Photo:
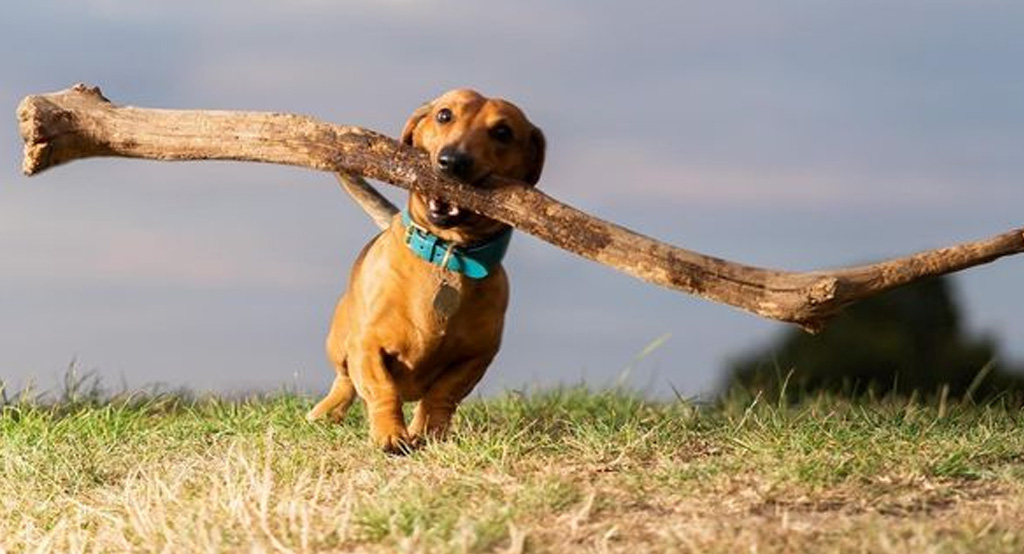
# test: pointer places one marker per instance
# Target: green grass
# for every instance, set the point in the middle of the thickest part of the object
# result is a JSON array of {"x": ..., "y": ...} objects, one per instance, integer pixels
[{"x": 552, "y": 471}]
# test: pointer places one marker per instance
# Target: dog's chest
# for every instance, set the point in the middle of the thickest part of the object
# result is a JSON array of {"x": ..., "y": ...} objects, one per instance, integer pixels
[
  {"x": 452, "y": 317},
  {"x": 426, "y": 319},
  {"x": 437, "y": 343},
  {"x": 454, "y": 313}
]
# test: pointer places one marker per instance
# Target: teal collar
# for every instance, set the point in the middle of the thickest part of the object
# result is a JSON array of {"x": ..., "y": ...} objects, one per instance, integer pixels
[{"x": 474, "y": 262}]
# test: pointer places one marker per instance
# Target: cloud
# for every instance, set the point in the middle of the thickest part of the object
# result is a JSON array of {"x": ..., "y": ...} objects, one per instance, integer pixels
[
  {"x": 625, "y": 172},
  {"x": 85, "y": 249}
]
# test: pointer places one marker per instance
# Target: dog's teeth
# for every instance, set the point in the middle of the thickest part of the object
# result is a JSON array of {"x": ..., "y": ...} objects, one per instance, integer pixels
[
  {"x": 433, "y": 205},
  {"x": 453, "y": 210}
]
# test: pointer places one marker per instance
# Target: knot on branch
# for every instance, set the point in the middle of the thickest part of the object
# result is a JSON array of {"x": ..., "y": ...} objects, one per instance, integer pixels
[
  {"x": 86, "y": 90},
  {"x": 823, "y": 291}
]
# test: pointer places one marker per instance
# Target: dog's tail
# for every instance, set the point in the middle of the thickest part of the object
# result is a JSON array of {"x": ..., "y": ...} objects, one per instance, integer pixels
[{"x": 380, "y": 209}]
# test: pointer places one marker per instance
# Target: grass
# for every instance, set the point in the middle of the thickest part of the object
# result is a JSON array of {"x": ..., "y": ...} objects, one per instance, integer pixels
[{"x": 553, "y": 471}]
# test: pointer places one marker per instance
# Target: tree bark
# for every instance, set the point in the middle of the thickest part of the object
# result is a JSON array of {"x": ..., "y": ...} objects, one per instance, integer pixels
[{"x": 81, "y": 123}]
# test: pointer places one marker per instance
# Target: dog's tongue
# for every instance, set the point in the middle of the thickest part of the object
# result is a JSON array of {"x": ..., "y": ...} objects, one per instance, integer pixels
[{"x": 440, "y": 207}]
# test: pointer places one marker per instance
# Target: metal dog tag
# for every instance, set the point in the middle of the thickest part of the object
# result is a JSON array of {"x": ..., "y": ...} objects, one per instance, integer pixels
[{"x": 446, "y": 300}]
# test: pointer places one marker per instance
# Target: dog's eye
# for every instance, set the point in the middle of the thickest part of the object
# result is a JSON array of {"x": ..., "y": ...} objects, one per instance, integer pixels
[
  {"x": 444, "y": 115},
  {"x": 502, "y": 133}
]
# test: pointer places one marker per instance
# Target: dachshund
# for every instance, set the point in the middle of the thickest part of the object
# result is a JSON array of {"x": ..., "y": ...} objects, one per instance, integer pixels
[{"x": 422, "y": 316}]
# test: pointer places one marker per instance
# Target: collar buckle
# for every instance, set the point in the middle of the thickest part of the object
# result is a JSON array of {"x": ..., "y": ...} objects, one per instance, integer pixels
[{"x": 413, "y": 227}]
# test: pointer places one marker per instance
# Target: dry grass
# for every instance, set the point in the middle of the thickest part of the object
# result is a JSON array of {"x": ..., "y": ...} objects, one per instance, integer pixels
[{"x": 558, "y": 471}]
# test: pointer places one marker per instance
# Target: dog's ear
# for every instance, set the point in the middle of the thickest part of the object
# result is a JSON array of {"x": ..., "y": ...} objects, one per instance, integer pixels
[
  {"x": 535, "y": 163},
  {"x": 414, "y": 121}
]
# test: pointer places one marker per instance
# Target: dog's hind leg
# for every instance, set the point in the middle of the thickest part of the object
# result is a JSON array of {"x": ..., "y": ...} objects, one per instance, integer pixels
[
  {"x": 343, "y": 392},
  {"x": 335, "y": 405}
]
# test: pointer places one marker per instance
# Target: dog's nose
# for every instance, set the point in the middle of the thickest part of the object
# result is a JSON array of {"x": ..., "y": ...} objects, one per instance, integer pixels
[{"x": 455, "y": 162}]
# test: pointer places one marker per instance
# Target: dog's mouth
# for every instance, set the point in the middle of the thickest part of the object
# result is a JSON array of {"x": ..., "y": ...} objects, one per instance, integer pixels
[{"x": 444, "y": 214}]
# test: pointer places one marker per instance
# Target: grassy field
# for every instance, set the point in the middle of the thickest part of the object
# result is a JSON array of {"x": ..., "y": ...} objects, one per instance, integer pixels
[{"x": 553, "y": 471}]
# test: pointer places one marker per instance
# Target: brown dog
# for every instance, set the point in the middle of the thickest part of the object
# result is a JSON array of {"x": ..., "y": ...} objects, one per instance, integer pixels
[{"x": 425, "y": 305}]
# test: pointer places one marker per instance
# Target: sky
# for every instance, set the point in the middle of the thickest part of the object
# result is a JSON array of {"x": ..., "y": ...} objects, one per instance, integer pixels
[{"x": 794, "y": 134}]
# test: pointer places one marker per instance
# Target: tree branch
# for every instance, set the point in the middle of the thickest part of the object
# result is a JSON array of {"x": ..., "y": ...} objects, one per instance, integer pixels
[
  {"x": 80, "y": 123},
  {"x": 380, "y": 209}
]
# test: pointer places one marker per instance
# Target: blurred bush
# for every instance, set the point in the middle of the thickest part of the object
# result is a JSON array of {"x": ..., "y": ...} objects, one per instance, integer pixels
[{"x": 909, "y": 339}]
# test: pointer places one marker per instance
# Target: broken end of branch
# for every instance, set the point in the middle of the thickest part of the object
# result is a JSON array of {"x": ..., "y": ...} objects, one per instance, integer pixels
[
  {"x": 42, "y": 121},
  {"x": 36, "y": 156},
  {"x": 37, "y": 148}
]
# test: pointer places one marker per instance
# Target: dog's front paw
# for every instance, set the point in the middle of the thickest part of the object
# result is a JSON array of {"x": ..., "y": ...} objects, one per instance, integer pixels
[{"x": 393, "y": 439}]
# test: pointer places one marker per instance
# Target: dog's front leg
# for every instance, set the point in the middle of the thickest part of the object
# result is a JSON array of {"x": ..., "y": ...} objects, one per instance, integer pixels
[
  {"x": 434, "y": 412},
  {"x": 377, "y": 387}
]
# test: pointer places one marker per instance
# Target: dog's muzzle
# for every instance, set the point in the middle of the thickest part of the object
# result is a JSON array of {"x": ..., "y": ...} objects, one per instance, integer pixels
[
  {"x": 458, "y": 164},
  {"x": 443, "y": 214}
]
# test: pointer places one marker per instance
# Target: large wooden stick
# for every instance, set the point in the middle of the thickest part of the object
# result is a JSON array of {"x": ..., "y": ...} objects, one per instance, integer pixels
[{"x": 80, "y": 123}]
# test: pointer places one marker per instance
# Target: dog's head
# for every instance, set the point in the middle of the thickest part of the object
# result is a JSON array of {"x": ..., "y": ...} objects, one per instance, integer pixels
[{"x": 470, "y": 137}]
